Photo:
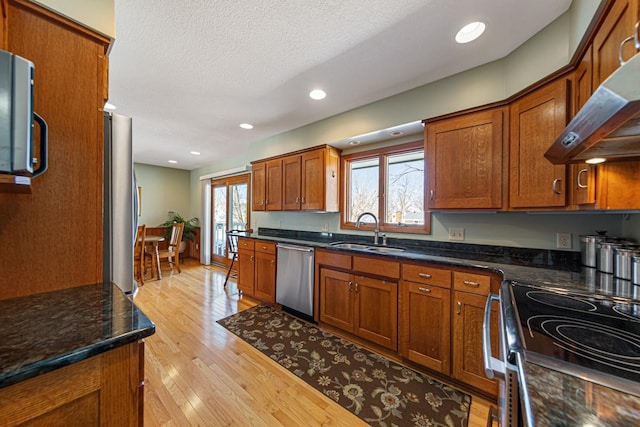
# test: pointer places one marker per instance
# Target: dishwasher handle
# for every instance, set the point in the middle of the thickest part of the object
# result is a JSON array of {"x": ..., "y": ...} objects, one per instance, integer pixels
[
  {"x": 492, "y": 367},
  {"x": 295, "y": 248}
]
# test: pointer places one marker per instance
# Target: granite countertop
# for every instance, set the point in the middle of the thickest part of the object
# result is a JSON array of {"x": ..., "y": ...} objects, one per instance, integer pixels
[
  {"x": 560, "y": 269},
  {"x": 46, "y": 331},
  {"x": 556, "y": 399}
]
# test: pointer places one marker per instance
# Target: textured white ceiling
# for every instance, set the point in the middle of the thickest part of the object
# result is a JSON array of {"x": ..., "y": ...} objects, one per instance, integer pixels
[{"x": 189, "y": 72}]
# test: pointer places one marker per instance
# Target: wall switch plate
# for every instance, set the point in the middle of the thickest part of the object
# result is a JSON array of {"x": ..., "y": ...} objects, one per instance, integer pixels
[
  {"x": 563, "y": 240},
  {"x": 325, "y": 227},
  {"x": 456, "y": 233}
]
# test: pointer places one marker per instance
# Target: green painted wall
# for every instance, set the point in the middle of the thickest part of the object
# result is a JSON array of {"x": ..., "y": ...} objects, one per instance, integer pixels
[
  {"x": 163, "y": 190},
  {"x": 542, "y": 55}
]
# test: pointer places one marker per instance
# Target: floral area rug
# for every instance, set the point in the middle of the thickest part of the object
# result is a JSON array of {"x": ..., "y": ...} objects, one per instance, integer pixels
[{"x": 377, "y": 390}]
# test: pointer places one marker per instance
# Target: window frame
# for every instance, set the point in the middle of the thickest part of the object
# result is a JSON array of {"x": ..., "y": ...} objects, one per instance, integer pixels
[{"x": 382, "y": 154}]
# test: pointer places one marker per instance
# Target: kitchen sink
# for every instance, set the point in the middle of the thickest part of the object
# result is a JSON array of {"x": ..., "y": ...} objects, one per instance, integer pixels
[
  {"x": 348, "y": 245},
  {"x": 385, "y": 249},
  {"x": 365, "y": 247}
]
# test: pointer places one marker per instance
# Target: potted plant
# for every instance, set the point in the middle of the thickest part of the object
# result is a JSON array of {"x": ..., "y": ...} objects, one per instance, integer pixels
[{"x": 188, "y": 232}]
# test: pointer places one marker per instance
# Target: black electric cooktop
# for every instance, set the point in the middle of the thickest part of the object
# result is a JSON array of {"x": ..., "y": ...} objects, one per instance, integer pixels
[{"x": 595, "y": 337}]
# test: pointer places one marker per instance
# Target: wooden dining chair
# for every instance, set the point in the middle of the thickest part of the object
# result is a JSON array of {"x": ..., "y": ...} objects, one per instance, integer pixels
[
  {"x": 138, "y": 255},
  {"x": 172, "y": 253}
]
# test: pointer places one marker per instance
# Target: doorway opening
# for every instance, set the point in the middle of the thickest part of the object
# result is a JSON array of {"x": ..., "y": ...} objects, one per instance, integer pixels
[{"x": 229, "y": 207}]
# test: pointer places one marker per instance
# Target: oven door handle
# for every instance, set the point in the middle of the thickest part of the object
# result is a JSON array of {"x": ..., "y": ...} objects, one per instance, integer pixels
[{"x": 492, "y": 367}]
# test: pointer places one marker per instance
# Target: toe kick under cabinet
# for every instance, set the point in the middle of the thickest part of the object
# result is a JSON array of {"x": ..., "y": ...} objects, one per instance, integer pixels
[{"x": 430, "y": 313}]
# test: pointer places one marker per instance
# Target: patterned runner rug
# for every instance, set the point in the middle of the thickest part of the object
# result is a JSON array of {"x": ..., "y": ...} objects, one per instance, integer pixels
[{"x": 377, "y": 390}]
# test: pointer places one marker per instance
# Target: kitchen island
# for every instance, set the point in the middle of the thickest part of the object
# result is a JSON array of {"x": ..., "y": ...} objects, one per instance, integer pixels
[{"x": 73, "y": 351}]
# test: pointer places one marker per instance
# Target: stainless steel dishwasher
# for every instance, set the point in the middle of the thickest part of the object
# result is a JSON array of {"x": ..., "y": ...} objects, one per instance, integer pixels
[{"x": 294, "y": 278}]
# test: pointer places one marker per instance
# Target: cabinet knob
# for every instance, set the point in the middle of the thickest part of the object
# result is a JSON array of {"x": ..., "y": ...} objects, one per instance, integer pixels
[
  {"x": 425, "y": 275},
  {"x": 424, "y": 289}
]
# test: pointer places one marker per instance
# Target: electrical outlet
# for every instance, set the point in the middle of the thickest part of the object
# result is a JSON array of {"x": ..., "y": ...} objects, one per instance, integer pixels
[
  {"x": 456, "y": 233},
  {"x": 563, "y": 240},
  {"x": 325, "y": 227}
]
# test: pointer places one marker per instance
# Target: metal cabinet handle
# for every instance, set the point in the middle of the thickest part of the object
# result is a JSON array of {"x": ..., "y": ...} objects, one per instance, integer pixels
[
  {"x": 430, "y": 194},
  {"x": 470, "y": 283},
  {"x": 297, "y": 199},
  {"x": 636, "y": 43},
  {"x": 357, "y": 287},
  {"x": 251, "y": 259},
  {"x": 303, "y": 202},
  {"x": 424, "y": 289},
  {"x": 459, "y": 309},
  {"x": 273, "y": 262},
  {"x": 425, "y": 275},
  {"x": 492, "y": 367},
  {"x": 556, "y": 186},
  {"x": 580, "y": 173},
  {"x": 349, "y": 286}
]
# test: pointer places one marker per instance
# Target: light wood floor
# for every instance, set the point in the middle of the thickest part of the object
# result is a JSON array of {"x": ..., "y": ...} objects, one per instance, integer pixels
[{"x": 199, "y": 374}]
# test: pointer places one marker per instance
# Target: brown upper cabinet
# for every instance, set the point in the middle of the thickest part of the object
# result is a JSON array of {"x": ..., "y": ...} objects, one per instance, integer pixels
[
  {"x": 536, "y": 120},
  {"x": 267, "y": 185},
  {"x": 466, "y": 160},
  {"x": 305, "y": 180}
]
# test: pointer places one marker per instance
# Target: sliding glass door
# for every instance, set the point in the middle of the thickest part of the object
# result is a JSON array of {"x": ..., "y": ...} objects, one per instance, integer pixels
[{"x": 229, "y": 200}]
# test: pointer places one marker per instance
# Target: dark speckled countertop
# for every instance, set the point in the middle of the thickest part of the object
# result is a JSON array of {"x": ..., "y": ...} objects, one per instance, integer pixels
[
  {"x": 43, "y": 332},
  {"x": 556, "y": 399}
]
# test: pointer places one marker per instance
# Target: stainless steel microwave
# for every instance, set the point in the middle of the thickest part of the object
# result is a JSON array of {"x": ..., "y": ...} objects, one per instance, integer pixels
[{"x": 17, "y": 150}]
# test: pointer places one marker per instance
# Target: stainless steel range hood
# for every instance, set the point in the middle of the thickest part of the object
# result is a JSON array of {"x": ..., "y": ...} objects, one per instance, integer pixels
[{"x": 608, "y": 125}]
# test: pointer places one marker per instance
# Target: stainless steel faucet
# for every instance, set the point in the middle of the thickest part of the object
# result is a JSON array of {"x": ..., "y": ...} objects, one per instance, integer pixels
[{"x": 375, "y": 231}]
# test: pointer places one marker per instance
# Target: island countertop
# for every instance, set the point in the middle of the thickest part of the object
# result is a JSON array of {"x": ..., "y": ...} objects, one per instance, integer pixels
[{"x": 43, "y": 332}]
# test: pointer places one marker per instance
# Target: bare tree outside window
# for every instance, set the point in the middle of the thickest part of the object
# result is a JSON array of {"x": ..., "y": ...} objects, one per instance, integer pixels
[
  {"x": 405, "y": 188},
  {"x": 364, "y": 187}
]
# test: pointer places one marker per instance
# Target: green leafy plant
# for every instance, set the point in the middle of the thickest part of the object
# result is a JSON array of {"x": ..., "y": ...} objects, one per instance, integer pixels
[{"x": 190, "y": 226}]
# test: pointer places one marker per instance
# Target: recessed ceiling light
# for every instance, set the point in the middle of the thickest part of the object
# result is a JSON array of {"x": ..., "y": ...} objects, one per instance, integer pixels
[
  {"x": 195, "y": 153},
  {"x": 109, "y": 106},
  {"x": 173, "y": 161},
  {"x": 317, "y": 94},
  {"x": 595, "y": 160},
  {"x": 354, "y": 142},
  {"x": 470, "y": 32},
  {"x": 246, "y": 126},
  {"x": 396, "y": 133}
]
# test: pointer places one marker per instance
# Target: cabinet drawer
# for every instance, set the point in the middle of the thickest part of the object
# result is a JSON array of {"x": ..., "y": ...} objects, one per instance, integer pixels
[
  {"x": 246, "y": 243},
  {"x": 474, "y": 283},
  {"x": 377, "y": 266},
  {"x": 427, "y": 275},
  {"x": 265, "y": 247},
  {"x": 333, "y": 259}
]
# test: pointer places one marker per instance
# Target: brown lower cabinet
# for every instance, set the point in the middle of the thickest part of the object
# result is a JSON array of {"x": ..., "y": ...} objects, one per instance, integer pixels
[
  {"x": 363, "y": 305},
  {"x": 106, "y": 389},
  {"x": 432, "y": 315},
  {"x": 257, "y": 269}
]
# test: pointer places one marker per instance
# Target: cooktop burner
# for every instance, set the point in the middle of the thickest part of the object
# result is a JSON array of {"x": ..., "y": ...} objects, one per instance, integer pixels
[{"x": 582, "y": 333}]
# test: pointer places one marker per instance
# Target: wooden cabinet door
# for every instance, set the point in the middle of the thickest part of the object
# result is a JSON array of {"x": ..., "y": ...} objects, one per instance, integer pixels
[
  {"x": 265, "y": 277},
  {"x": 620, "y": 186},
  {"x": 376, "y": 311},
  {"x": 465, "y": 161},
  {"x": 313, "y": 180},
  {"x": 582, "y": 178},
  {"x": 258, "y": 186},
  {"x": 467, "y": 340},
  {"x": 425, "y": 325},
  {"x": 336, "y": 301},
  {"x": 246, "y": 271},
  {"x": 291, "y": 183},
  {"x": 617, "y": 26},
  {"x": 274, "y": 185},
  {"x": 535, "y": 122}
]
